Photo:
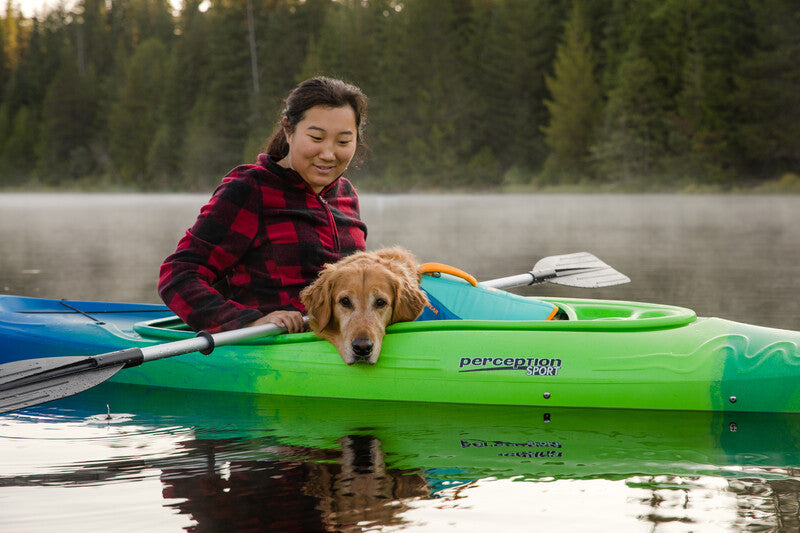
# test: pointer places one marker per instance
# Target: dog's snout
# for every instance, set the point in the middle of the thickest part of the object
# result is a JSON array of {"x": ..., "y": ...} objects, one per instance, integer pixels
[{"x": 362, "y": 347}]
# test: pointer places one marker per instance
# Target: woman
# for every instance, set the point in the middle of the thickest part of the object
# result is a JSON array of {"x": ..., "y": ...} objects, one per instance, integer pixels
[{"x": 270, "y": 227}]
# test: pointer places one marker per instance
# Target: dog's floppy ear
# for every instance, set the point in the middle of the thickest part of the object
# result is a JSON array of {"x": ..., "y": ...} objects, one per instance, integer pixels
[
  {"x": 317, "y": 299},
  {"x": 409, "y": 302}
]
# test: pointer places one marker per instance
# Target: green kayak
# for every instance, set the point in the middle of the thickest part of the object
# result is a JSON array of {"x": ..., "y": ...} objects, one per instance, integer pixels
[{"x": 604, "y": 354}]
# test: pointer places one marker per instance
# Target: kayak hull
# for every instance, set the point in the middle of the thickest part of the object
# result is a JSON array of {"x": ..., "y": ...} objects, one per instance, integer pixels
[{"x": 608, "y": 354}]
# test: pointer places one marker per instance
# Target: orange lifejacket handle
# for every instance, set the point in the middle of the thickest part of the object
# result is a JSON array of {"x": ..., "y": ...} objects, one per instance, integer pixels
[{"x": 429, "y": 268}]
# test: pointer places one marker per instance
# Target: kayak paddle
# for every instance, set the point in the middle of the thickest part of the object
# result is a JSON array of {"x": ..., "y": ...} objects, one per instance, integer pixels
[
  {"x": 580, "y": 269},
  {"x": 34, "y": 381}
]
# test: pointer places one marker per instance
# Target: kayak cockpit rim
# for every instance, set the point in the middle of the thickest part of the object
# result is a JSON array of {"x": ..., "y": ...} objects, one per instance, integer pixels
[{"x": 582, "y": 315}]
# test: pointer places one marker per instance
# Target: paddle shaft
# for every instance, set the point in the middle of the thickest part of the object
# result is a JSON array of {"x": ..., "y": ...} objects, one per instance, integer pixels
[
  {"x": 518, "y": 280},
  {"x": 206, "y": 342}
]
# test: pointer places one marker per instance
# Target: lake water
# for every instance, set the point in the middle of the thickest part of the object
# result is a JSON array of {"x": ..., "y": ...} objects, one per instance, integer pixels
[{"x": 127, "y": 459}]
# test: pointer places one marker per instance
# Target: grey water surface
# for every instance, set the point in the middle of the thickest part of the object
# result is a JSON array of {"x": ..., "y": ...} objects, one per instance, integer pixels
[{"x": 722, "y": 255}]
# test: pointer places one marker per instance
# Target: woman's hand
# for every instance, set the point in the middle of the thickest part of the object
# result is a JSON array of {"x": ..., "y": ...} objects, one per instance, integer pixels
[{"x": 291, "y": 320}]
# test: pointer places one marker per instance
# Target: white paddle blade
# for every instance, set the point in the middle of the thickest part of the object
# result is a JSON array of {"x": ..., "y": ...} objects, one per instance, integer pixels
[{"x": 580, "y": 269}]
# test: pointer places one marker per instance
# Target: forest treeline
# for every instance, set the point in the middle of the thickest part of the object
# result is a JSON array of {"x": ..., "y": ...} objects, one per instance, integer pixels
[{"x": 636, "y": 94}]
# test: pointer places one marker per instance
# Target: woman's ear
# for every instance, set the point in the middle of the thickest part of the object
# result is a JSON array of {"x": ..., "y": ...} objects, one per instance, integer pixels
[{"x": 287, "y": 131}]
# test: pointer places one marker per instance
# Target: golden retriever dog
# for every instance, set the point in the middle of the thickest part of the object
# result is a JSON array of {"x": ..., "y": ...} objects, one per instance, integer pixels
[{"x": 354, "y": 299}]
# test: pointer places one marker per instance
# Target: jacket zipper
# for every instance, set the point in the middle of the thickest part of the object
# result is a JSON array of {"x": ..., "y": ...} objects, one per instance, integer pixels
[{"x": 331, "y": 222}]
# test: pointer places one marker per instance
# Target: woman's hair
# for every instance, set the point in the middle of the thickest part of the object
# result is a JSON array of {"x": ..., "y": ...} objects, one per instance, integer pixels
[{"x": 323, "y": 91}]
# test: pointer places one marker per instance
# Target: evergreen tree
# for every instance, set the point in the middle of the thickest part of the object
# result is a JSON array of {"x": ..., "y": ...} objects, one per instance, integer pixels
[
  {"x": 348, "y": 43},
  {"x": 68, "y": 124},
  {"x": 94, "y": 44},
  {"x": 41, "y": 61},
  {"x": 12, "y": 31},
  {"x": 767, "y": 96},
  {"x": 462, "y": 92},
  {"x": 517, "y": 53},
  {"x": 632, "y": 134},
  {"x": 647, "y": 46},
  {"x": 5, "y": 62},
  {"x": 217, "y": 128},
  {"x": 719, "y": 38},
  {"x": 23, "y": 94},
  {"x": 134, "y": 115},
  {"x": 19, "y": 150},
  {"x": 573, "y": 104},
  {"x": 286, "y": 30},
  {"x": 420, "y": 128},
  {"x": 133, "y": 22},
  {"x": 186, "y": 77}
]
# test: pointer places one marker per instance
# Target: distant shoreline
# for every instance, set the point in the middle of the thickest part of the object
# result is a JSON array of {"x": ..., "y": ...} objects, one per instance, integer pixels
[{"x": 787, "y": 184}]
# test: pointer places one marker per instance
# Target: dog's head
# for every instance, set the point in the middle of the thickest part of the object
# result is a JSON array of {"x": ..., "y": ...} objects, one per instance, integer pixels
[{"x": 353, "y": 301}]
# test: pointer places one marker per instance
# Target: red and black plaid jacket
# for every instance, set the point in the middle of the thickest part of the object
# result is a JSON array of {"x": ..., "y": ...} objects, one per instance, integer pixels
[{"x": 262, "y": 237}]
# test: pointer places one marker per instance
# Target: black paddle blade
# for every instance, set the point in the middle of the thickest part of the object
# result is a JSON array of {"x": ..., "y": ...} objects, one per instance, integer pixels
[{"x": 34, "y": 381}]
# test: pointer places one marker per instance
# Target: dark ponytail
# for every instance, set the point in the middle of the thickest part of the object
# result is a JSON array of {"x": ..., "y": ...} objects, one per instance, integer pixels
[{"x": 323, "y": 91}]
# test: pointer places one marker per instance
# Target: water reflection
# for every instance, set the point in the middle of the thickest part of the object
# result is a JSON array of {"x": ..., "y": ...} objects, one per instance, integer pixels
[
  {"x": 308, "y": 490},
  {"x": 256, "y": 463}
]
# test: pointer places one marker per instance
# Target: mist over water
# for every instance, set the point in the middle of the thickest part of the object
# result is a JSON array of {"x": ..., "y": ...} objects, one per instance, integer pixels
[{"x": 721, "y": 255}]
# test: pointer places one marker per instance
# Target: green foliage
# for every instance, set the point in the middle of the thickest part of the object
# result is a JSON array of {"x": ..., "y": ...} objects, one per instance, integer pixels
[
  {"x": 574, "y": 103},
  {"x": 634, "y": 128},
  {"x": 463, "y": 93},
  {"x": 767, "y": 92},
  {"x": 134, "y": 117},
  {"x": 68, "y": 124},
  {"x": 515, "y": 54},
  {"x": 19, "y": 149}
]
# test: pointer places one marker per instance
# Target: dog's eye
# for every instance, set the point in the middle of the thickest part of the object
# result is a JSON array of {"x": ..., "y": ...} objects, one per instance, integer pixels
[
  {"x": 345, "y": 302},
  {"x": 380, "y": 303}
]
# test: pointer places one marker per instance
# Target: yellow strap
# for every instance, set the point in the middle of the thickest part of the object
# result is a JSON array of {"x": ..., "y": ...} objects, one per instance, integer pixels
[{"x": 428, "y": 268}]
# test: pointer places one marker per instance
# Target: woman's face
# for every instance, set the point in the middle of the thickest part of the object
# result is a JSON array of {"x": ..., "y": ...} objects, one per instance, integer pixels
[{"x": 322, "y": 145}]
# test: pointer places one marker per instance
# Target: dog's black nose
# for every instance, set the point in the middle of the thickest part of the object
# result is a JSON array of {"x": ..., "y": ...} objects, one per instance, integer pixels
[{"x": 362, "y": 347}]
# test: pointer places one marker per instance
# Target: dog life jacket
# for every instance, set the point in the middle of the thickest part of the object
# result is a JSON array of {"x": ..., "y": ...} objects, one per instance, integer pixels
[{"x": 453, "y": 298}]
